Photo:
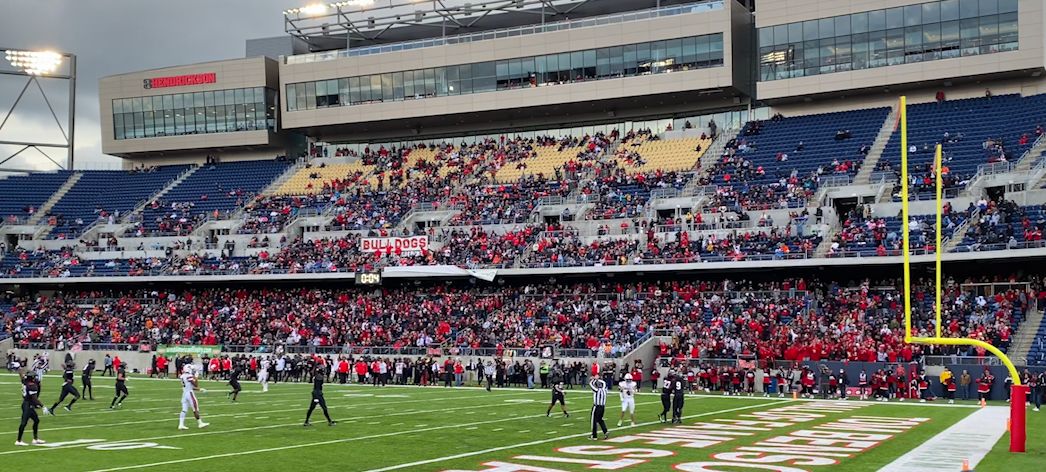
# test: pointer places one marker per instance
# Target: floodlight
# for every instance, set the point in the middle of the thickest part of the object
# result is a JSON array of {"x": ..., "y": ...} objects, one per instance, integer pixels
[{"x": 34, "y": 62}]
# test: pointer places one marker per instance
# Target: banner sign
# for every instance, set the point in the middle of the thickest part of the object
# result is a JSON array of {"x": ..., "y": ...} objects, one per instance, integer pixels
[
  {"x": 410, "y": 246},
  {"x": 164, "y": 349},
  {"x": 180, "y": 80}
]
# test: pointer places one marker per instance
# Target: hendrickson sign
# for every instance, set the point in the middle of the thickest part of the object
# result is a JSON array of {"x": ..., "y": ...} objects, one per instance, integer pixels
[{"x": 180, "y": 80}]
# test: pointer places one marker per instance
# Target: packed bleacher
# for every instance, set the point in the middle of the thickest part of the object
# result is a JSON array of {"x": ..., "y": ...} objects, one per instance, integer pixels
[{"x": 788, "y": 319}]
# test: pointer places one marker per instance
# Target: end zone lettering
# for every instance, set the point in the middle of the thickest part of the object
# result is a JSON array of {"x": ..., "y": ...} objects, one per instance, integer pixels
[{"x": 181, "y": 80}]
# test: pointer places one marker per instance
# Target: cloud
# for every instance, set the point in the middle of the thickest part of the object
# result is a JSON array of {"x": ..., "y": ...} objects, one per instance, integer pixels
[{"x": 117, "y": 36}]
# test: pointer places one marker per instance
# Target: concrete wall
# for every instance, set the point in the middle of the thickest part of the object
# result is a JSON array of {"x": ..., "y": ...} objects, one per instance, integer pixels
[{"x": 231, "y": 74}]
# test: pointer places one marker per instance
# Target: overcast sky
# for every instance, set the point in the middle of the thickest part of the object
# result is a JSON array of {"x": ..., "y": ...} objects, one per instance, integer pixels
[{"x": 112, "y": 37}]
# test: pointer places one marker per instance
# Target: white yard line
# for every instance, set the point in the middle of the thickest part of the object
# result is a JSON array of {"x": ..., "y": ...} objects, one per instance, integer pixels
[
  {"x": 174, "y": 408},
  {"x": 17, "y": 451},
  {"x": 970, "y": 438},
  {"x": 560, "y": 438},
  {"x": 321, "y": 443}
]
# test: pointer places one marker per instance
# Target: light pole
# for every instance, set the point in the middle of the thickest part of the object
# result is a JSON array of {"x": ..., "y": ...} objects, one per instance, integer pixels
[{"x": 36, "y": 65}]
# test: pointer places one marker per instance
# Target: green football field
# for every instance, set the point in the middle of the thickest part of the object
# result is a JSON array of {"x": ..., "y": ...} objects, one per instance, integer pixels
[{"x": 410, "y": 428}]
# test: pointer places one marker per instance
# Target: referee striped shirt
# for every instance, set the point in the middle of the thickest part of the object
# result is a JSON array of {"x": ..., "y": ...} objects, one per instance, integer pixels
[{"x": 599, "y": 392}]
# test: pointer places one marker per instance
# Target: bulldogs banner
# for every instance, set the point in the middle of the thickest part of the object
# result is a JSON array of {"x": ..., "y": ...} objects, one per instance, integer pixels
[{"x": 410, "y": 246}]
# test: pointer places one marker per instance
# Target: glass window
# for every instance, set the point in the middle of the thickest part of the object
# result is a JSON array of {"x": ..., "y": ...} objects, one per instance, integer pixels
[
  {"x": 970, "y": 36},
  {"x": 617, "y": 60},
  {"x": 118, "y": 131},
  {"x": 989, "y": 33},
  {"x": 1007, "y": 6},
  {"x": 949, "y": 10},
  {"x": 1008, "y": 31},
  {"x": 343, "y": 92},
  {"x": 895, "y": 18},
  {"x": 859, "y": 22},
  {"x": 321, "y": 94},
  {"x": 397, "y": 86},
  {"x": 465, "y": 78},
  {"x": 795, "y": 33},
  {"x": 386, "y": 86},
  {"x": 590, "y": 62},
  {"x": 842, "y": 25},
  {"x": 766, "y": 37},
  {"x": 950, "y": 39},
  {"x": 968, "y": 8},
  {"x": 877, "y": 20},
  {"x": 716, "y": 43},
  {"x": 913, "y": 15},
  {"x": 501, "y": 68},
  {"x": 484, "y": 78},
  {"x": 931, "y": 13},
  {"x": 603, "y": 62},
  {"x": 354, "y": 90},
  {"x": 826, "y": 28},
  {"x": 781, "y": 34},
  {"x": 310, "y": 96},
  {"x": 988, "y": 7},
  {"x": 689, "y": 55},
  {"x": 810, "y": 30},
  {"x": 430, "y": 82},
  {"x": 292, "y": 98},
  {"x": 452, "y": 80}
]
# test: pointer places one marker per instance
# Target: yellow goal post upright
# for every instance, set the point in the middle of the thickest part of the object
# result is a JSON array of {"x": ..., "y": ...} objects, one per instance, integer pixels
[{"x": 1018, "y": 392}]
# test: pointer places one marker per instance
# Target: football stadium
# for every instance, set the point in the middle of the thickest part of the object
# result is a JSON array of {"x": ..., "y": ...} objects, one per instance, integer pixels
[{"x": 535, "y": 236}]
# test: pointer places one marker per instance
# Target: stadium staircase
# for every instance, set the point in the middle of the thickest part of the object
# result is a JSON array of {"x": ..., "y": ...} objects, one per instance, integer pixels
[
  {"x": 1025, "y": 339},
  {"x": 881, "y": 140},
  {"x": 55, "y": 198},
  {"x": 716, "y": 148},
  {"x": 170, "y": 185}
]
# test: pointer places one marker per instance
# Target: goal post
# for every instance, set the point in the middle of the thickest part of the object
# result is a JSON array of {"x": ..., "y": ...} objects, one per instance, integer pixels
[{"x": 1018, "y": 393}]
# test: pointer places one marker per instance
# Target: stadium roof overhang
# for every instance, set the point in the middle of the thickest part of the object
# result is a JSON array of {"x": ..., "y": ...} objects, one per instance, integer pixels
[
  {"x": 564, "y": 115},
  {"x": 328, "y": 26}
]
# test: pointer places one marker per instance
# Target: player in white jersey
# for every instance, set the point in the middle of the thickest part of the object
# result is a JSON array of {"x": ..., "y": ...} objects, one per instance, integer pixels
[
  {"x": 263, "y": 374},
  {"x": 189, "y": 387},
  {"x": 41, "y": 365},
  {"x": 627, "y": 389}
]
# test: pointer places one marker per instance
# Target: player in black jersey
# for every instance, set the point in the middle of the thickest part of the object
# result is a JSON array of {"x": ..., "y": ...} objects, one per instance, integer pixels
[
  {"x": 121, "y": 389},
  {"x": 67, "y": 389},
  {"x": 678, "y": 390},
  {"x": 30, "y": 402},
  {"x": 558, "y": 396},
  {"x": 317, "y": 398},
  {"x": 234, "y": 381},
  {"x": 85, "y": 380},
  {"x": 666, "y": 396}
]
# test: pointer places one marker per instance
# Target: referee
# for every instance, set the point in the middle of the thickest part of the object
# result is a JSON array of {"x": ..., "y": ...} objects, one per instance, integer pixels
[{"x": 599, "y": 404}]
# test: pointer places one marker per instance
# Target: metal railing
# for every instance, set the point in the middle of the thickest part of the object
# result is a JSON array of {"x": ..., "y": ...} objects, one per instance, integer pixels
[
  {"x": 883, "y": 176},
  {"x": 836, "y": 180},
  {"x": 706, "y": 6},
  {"x": 977, "y": 247}
]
